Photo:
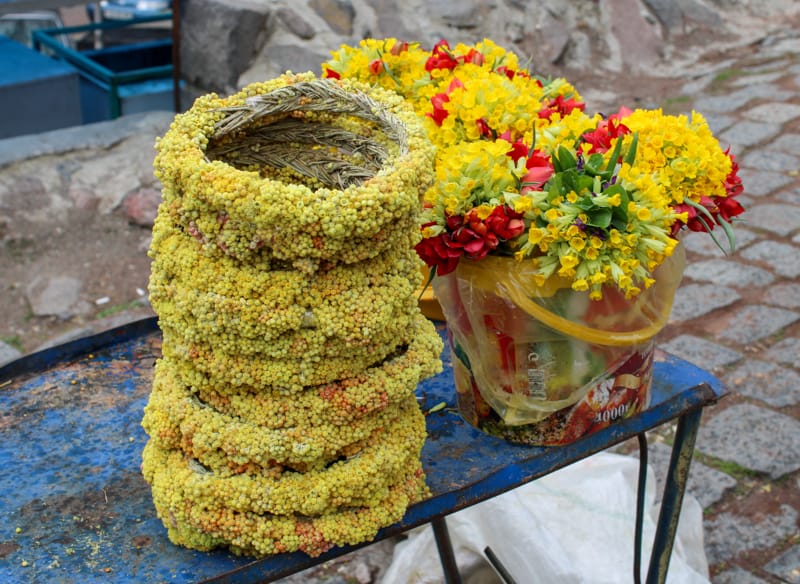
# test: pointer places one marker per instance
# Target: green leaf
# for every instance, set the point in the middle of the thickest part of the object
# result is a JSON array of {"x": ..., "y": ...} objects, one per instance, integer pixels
[
  {"x": 594, "y": 164},
  {"x": 619, "y": 223},
  {"x": 699, "y": 207},
  {"x": 612, "y": 162},
  {"x": 585, "y": 183},
  {"x": 566, "y": 159},
  {"x": 569, "y": 181},
  {"x": 599, "y": 217},
  {"x": 707, "y": 227},
  {"x": 729, "y": 232},
  {"x": 431, "y": 275},
  {"x": 533, "y": 142},
  {"x": 630, "y": 155}
]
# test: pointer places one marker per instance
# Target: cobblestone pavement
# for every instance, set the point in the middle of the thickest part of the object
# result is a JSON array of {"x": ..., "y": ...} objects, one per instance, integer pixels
[{"x": 739, "y": 316}]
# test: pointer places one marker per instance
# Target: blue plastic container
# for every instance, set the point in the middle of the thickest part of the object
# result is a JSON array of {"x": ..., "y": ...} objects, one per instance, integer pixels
[
  {"x": 42, "y": 93},
  {"x": 117, "y": 80}
]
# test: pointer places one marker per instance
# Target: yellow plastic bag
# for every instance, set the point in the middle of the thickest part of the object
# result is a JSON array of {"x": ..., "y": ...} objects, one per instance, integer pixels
[{"x": 545, "y": 364}]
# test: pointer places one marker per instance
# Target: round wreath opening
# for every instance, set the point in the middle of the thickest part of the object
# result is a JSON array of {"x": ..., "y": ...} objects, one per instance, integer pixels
[{"x": 297, "y": 169}]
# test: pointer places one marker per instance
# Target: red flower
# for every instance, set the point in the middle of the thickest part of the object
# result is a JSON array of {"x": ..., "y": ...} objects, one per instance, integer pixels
[
  {"x": 728, "y": 208},
  {"x": 436, "y": 253},
  {"x": 540, "y": 169},
  {"x": 483, "y": 128},
  {"x": 376, "y": 66},
  {"x": 505, "y": 222},
  {"x": 330, "y": 73},
  {"x": 398, "y": 48},
  {"x": 473, "y": 56},
  {"x": 438, "y": 101},
  {"x": 469, "y": 236},
  {"x": 441, "y": 57},
  {"x": 475, "y": 243},
  {"x": 518, "y": 148},
  {"x": 607, "y": 130},
  {"x": 694, "y": 221},
  {"x": 720, "y": 208},
  {"x": 439, "y": 113},
  {"x": 733, "y": 184},
  {"x": 503, "y": 70},
  {"x": 561, "y": 106}
]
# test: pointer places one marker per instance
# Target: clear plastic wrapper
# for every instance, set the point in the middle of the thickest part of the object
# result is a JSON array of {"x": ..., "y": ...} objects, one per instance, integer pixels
[{"x": 546, "y": 364}]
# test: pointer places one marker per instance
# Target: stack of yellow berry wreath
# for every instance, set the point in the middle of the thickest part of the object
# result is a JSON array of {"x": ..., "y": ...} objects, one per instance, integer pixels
[{"x": 283, "y": 415}]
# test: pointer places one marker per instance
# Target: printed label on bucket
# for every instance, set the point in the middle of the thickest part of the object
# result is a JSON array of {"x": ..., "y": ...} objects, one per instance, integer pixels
[{"x": 623, "y": 392}]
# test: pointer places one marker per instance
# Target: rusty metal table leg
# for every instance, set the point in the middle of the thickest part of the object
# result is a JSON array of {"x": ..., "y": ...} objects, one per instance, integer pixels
[
  {"x": 640, "y": 493},
  {"x": 674, "y": 489},
  {"x": 445, "y": 547}
]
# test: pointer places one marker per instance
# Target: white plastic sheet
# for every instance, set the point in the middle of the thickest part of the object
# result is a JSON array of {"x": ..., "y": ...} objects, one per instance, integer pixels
[{"x": 573, "y": 526}]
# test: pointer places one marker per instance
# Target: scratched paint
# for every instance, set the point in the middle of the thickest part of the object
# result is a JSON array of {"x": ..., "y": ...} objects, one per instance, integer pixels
[{"x": 75, "y": 508}]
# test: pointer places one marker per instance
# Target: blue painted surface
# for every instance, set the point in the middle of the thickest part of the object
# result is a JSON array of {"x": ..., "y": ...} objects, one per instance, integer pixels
[
  {"x": 41, "y": 92},
  {"x": 71, "y": 443},
  {"x": 20, "y": 64}
]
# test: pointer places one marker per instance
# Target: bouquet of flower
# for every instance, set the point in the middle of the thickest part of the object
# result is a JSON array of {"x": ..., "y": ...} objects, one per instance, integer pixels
[
  {"x": 523, "y": 171},
  {"x": 603, "y": 211},
  {"x": 548, "y": 229}
]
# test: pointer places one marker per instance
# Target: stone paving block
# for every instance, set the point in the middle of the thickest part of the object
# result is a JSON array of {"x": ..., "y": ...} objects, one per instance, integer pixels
[
  {"x": 786, "y": 295},
  {"x": 693, "y": 300},
  {"x": 783, "y": 258},
  {"x": 700, "y": 243},
  {"x": 786, "y": 566},
  {"x": 749, "y": 133},
  {"x": 779, "y": 219},
  {"x": 755, "y": 322},
  {"x": 706, "y": 484},
  {"x": 732, "y": 101},
  {"x": 770, "y": 159},
  {"x": 8, "y": 353},
  {"x": 737, "y": 576},
  {"x": 774, "y": 112},
  {"x": 789, "y": 143},
  {"x": 769, "y": 77},
  {"x": 786, "y": 351},
  {"x": 701, "y": 352},
  {"x": 728, "y": 535},
  {"x": 728, "y": 273},
  {"x": 790, "y": 196},
  {"x": 719, "y": 122},
  {"x": 698, "y": 85},
  {"x": 753, "y": 437},
  {"x": 762, "y": 182},
  {"x": 771, "y": 383}
]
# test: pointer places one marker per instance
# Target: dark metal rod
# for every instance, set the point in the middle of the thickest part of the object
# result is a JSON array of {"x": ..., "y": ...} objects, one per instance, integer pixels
[
  {"x": 176, "y": 55},
  {"x": 640, "y": 493},
  {"x": 674, "y": 488},
  {"x": 445, "y": 547},
  {"x": 498, "y": 566}
]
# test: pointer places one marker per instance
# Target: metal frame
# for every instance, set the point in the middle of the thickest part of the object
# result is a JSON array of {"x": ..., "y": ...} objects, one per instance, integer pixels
[{"x": 95, "y": 72}]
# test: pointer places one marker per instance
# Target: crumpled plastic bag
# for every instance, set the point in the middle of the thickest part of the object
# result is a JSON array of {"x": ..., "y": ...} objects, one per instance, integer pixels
[
  {"x": 573, "y": 526},
  {"x": 532, "y": 350}
]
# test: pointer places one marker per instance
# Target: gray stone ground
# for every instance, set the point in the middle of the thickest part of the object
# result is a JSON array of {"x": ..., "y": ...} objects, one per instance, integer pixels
[{"x": 737, "y": 315}]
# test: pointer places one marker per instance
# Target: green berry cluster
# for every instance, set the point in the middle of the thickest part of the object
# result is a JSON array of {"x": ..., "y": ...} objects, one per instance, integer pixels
[{"x": 283, "y": 413}]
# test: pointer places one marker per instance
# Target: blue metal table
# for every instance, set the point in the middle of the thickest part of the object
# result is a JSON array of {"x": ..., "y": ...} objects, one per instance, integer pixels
[{"x": 74, "y": 507}]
